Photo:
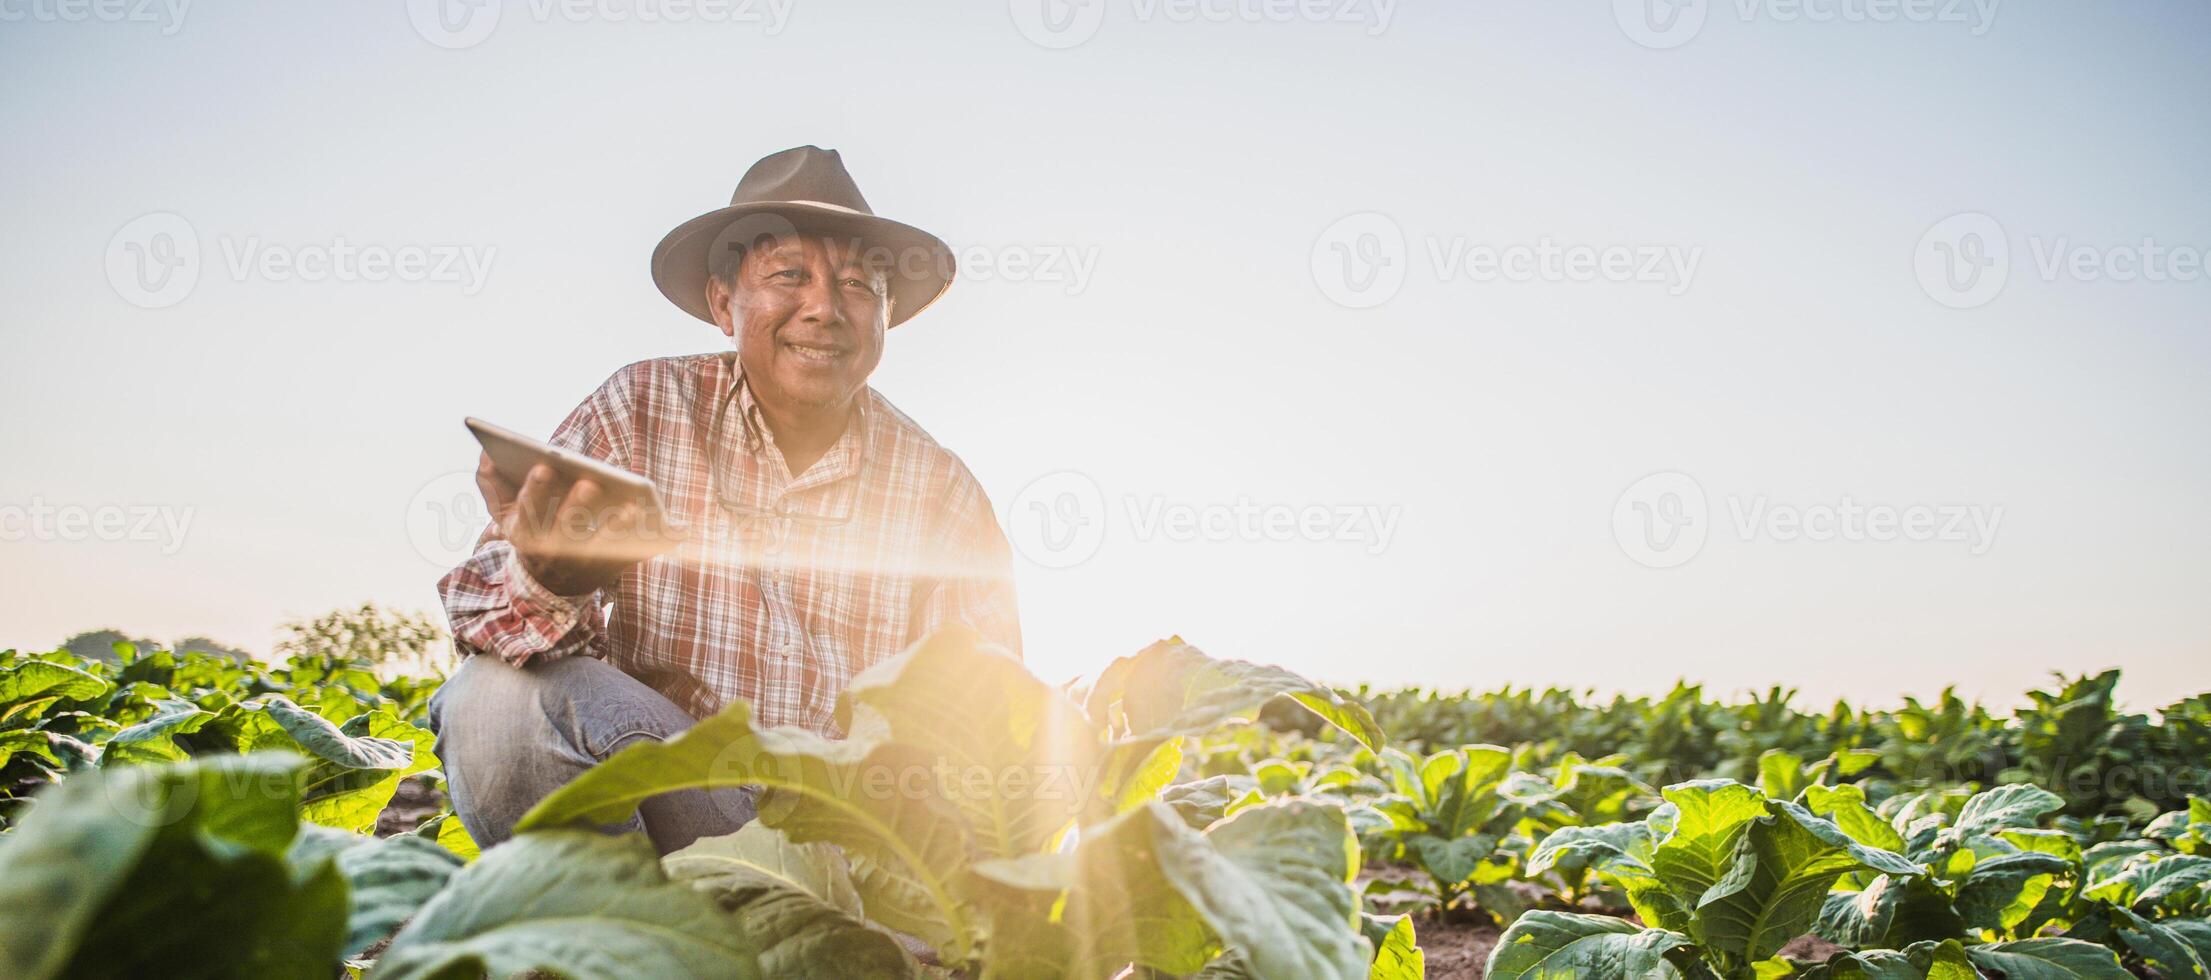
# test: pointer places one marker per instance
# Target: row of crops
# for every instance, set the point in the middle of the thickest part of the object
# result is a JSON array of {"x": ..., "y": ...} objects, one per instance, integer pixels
[{"x": 193, "y": 814}]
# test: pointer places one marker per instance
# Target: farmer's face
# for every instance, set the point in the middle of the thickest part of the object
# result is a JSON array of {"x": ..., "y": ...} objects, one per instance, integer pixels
[{"x": 808, "y": 316}]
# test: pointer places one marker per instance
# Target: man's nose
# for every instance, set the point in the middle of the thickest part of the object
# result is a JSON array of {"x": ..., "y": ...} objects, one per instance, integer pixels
[{"x": 818, "y": 301}]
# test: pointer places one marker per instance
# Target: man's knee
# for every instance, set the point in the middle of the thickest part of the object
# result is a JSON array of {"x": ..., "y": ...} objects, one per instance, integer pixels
[{"x": 508, "y": 736}]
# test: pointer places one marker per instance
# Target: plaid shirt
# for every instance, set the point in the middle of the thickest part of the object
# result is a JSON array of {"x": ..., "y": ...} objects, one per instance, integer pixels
[{"x": 787, "y": 586}]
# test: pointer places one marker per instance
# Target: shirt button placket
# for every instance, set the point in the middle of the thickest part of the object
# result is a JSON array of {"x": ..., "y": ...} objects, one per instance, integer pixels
[{"x": 783, "y": 652}]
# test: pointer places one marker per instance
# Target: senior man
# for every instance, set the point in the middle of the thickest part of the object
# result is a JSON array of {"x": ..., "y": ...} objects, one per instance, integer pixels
[{"x": 811, "y": 529}]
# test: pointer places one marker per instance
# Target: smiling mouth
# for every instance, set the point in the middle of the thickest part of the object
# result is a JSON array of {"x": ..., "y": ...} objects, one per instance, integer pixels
[{"x": 812, "y": 353}]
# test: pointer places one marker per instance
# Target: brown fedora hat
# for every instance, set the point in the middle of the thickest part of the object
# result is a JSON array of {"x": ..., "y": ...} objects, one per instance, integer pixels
[{"x": 804, "y": 189}]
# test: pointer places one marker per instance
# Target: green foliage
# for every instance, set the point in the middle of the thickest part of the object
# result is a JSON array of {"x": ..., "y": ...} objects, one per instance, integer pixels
[
  {"x": 132, "y": 872},
  {"x": 575, "y": 904},
  {"x": 61, "y": 714},
  {"x": 2073, "y": 740},
  {"x": 196, "y": 812},
  {"x": 962, "y": 777}
]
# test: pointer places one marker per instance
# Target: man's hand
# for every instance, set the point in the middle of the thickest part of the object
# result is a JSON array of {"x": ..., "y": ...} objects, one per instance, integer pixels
[{"x": 568, "y": 534}]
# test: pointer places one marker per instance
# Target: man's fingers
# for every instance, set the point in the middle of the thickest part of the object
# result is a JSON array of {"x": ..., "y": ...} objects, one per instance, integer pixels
[
  {"x": 536, "y": 505},
  {"x": 498, "y": 491},
  {"x": 581, "y": 512}
]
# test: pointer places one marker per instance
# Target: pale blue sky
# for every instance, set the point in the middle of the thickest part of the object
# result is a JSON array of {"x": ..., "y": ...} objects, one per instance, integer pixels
[{"x": 295, "y": 428}]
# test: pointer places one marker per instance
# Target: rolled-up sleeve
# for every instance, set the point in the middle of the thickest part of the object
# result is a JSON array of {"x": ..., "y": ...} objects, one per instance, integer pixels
[{"x": 491, "y": 601}]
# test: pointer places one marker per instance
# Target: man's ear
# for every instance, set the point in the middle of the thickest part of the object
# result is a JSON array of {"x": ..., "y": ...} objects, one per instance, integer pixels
[{"x": 717, "y": 302}]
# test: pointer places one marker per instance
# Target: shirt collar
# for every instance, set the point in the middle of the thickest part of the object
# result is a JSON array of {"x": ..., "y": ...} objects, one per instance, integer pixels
[{"x": 843, "y": 458}]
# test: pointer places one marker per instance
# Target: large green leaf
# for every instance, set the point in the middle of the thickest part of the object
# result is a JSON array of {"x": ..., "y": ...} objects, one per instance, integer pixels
[
  {"x": 871, "y": 798},
  {"x": 2150, "y": 880},
  {"x": 1463, "y": 783},
  {"x": 1171, "y": 688},
  {"x": 1946, "y": 960},
  {"x": 1131, "y": 780},
  {"x": 2049, "y": 959},
  {"x": 1120, "y": 906},
  {"x": 276, "y": 722},
  {"x": 1270, "y": 882},
  {"x": 147, "y": 870},
  {"x": 2005, "y": 807},
  {"x": 573, "y": 903},
  {"x": 1398, "y": 956},
  {"x": 759, "y": 855},
  {"x": 1546, "y": 945},
  {"x": 1781, "y": 775},
  {"x": 2167, "y": 949},
  {"x": 25, "y": 688},
  {"x": 1623, "y": 854},
  {"x": 154, "y": 737},
  {"x": 1697, "y": 833},
  {"x": 448, "y": 832},
  {"x": 388, "y": 879},
  {"x": 1861, "y": 918},
  {"x": 1200, "y": 802},
  {"x": 1013, "y": 756},
  {"x": 796, "y": 902},
  {"x": 1451, "y": 860},
  {"x": 1783, "y": 868},
  {"x": 1591, "y": 794},
  {"x": 2000, "y": 892},
  {"x": 352, "y": 774},
  {"x": 1274, "y": 882},
  {"x": 25, "y": 740},
  {"x": 2195, "y": 932},
  {"x": 352, "y": 799},
  {"x": 1846, "y": 806},
  {"x": 1620, "y": 848}
]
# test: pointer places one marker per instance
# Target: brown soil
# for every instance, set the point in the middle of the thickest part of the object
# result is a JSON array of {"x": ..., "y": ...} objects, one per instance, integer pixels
[
  {"x": 1809, "y": 948},
  {"x": 1454, "y": 950},
  {"x": 414, "y": 802}
]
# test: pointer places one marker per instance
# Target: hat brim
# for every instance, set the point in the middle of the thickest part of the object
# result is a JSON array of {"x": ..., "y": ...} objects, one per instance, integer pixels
[{"x": 922, "y": 267}]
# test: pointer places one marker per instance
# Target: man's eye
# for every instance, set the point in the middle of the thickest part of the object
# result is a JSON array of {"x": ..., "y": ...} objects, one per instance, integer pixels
[{"x": 787, "y": 274}]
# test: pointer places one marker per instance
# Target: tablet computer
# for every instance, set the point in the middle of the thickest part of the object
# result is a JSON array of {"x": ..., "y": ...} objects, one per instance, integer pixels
[{"x": 513, "y": 454}]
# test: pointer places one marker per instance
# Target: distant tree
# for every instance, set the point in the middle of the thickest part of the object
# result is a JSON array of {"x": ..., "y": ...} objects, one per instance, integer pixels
[
  {"x": 100, "y": 644},
  {"x": 396, "y": 642},
  {"x": 201, "y": 644}
]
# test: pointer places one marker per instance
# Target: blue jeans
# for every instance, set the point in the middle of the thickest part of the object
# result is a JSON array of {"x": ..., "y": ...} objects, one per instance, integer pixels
[{"x": 508, "y": 736}]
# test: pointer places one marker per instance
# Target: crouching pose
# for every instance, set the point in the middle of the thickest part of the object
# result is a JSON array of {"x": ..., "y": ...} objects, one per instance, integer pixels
[{"x": 810, "y": 529}]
